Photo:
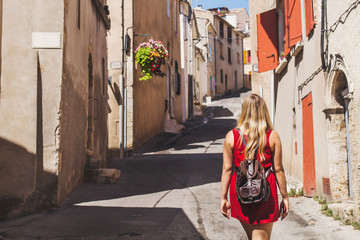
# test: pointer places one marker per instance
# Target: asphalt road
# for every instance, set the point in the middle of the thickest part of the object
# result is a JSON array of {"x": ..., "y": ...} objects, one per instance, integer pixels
[{"x": 169, "y": 189}]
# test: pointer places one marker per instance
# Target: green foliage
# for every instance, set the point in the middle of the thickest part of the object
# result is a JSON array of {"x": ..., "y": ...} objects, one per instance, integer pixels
[
  {"x": 355, "y": 224},
  {"x": 150, "y": 55},
  {"x": 294, "y": 193},
  {"x": 300, "y": 192},
  {"x": 142, "y": 57},
  {"x": 326, "y": 210}
]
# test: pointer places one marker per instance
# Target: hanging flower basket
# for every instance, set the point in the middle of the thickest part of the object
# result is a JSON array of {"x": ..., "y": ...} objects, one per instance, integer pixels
[{"x": 151, "y": 55}]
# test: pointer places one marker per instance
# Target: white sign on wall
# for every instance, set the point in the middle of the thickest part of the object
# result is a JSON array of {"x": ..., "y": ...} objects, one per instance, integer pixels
[
  {"x": 115, "y": 65},
  {"x": 46, "y": 40}
]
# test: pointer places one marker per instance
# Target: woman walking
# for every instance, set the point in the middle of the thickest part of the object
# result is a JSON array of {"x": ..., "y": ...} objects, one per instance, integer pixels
[{"x": 254, "y": 124}]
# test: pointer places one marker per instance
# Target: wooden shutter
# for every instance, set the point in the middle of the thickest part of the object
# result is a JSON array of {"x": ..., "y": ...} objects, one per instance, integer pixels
[
  {"x": 245, "y": 57},
  {"x": 293, "y": 31},
  {"x": 267, "y": 40},
  {"x": 309, "y": 15}
]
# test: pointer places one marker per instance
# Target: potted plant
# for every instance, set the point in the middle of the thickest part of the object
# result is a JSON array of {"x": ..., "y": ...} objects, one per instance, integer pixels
[{"x": 150, "y": 56}]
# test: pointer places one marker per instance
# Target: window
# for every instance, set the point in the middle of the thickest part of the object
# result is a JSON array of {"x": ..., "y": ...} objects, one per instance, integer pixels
[
  {"x": 221, "y": 29},
  {"x": 175, "y": 15},
  {"x": 104, "y": 80},
  {"x": 309, "y": 15},
  {"x": 293, "y": 31},
  {"x": 177, "y": 79},
  {"x": 186, "y": 28},
  {"x": 229, "y": 55},
  {"x": 267, "y": 41},
  {"x": 229, "y": 34},
  {"x": 221, "y": 76},
  {"x": 221, "y": 50},
  {"x": 90, "y": 118},
  {"x": 168, "y": 8},
  {"x": 78, "y": 14},
  {"x": 249, "y": 56},
  {"x": 238, "y": 58},
  {"x": 198, "y": 63},
  {"x": 237, "y": 39},
  {"x": 210, "y": 57}
]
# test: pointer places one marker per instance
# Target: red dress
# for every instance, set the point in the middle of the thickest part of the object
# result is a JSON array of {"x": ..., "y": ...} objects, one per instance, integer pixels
[{"x": 257, "y": 213}]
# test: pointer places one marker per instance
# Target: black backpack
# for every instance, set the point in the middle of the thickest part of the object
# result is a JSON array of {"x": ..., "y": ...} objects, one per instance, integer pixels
[{"x": 251, "y": 180}]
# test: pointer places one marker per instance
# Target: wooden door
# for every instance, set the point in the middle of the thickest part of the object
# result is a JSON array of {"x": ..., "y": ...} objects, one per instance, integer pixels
[{"x": 308, "y": 147}]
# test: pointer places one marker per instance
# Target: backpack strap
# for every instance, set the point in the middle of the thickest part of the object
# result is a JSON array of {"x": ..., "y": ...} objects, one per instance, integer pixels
[{"x": 244, "y": 141}]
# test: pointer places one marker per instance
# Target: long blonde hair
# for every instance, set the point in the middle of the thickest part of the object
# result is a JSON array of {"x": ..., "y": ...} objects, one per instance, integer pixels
[{"x": 255, "y": 119}]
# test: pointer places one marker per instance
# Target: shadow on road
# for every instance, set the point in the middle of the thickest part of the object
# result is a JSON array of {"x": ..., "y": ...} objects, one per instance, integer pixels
[
  {"x": 151, "y": 174},
  {"x": 107, "y": 223}
]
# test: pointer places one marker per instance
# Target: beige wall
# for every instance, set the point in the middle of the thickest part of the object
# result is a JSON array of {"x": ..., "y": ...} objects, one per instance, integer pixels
[
  {"x": 223, "y": 63},
  {"x": 144, "y": 112},
  {"x": 259, "y": 80},
  {"x": 343, "y": 50},
  {"x": 303, "y": 75},
  {"x": 206, "y": 70},
  {"x": 30, "y": 99},
  {"x": 115, "y": 91},
  {"x": 43, "y": 103},
  {"x": 149, "y": 96},
  {"x": 79, "y": 43}
]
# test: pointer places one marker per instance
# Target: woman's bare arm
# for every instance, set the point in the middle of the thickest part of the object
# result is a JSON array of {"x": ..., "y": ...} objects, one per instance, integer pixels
[
  {"x": 275, "y": 144},
  {"x": 226, "y": 173}
]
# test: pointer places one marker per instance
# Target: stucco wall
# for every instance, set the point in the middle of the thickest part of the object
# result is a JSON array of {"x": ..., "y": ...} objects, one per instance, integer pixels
[
  {"x": 223, "y": 63},
  {"x": 30, "y": 99},
  {"x": 115, "y": 92},
  {"x": 259, "y": 80},
  {"x": 288, "y": 119},
  {"x": 343, "y": 41},
  {"x": 78, "y": 44},
  {"x": 149, "y": 96}
]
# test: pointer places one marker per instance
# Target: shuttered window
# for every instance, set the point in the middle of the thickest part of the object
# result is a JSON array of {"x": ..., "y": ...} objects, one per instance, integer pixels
[
  {"x": 309, "y": 15},
  {"x": 267, "y": 40},
  {"x": 293, "y": 31},
  {"x": 245, "y": 57}
]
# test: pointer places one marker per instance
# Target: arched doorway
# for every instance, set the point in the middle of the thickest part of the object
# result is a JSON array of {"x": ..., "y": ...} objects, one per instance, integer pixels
[{"x": 339, "y": 150}]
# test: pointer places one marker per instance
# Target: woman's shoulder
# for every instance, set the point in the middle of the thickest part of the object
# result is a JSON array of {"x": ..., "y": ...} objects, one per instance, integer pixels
[
  {"x": 230, "y": 136},
  {"x": 274, "y": 137}
]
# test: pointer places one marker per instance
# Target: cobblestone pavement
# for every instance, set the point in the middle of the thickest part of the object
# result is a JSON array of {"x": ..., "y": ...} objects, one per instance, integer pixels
[{"x": 169, "y": 189}]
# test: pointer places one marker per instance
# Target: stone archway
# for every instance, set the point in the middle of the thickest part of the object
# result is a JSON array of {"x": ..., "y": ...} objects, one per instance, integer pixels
[{"x": 338, "y": 97}]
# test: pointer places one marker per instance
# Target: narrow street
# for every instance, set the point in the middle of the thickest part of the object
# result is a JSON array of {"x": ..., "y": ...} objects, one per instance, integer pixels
[{"x": 169, "y": 189}]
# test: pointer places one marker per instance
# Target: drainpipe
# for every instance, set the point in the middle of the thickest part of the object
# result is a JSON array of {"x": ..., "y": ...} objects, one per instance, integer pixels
[
  {"x": 347, "y": 98},
  {"x": 323, "y": 32},
  {"x": 122, "y": 120},
  {"x": 215, "y": 57}
]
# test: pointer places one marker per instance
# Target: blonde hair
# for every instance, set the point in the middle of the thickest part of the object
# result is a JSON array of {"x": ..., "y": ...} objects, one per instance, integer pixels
[{"x": 255, "y": 119}]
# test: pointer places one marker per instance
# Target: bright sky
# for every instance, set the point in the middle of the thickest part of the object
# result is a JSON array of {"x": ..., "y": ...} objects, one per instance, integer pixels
[{"x": 230, "y": 4}]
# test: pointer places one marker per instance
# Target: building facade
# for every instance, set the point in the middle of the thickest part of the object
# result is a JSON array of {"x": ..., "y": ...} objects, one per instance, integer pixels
[
  {"x": 227, "y": 54},
  {"x": 312, "y": 68},
  {"x": 142, "y": 109},
  {"x": 53, "y": 97},
  {"x": 205, "y": 64}
]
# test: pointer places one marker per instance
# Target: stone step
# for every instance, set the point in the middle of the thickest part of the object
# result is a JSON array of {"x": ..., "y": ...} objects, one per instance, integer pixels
[
  {"x": 103, "y": 175},
  {"x": 345, "y": 210}
]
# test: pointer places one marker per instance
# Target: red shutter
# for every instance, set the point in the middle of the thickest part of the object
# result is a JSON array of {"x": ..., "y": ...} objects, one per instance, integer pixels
[
  {"x": 293, "y": 33},
  {"x": 267, "y": 40},
  {"x": 309, "y": 15}
]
